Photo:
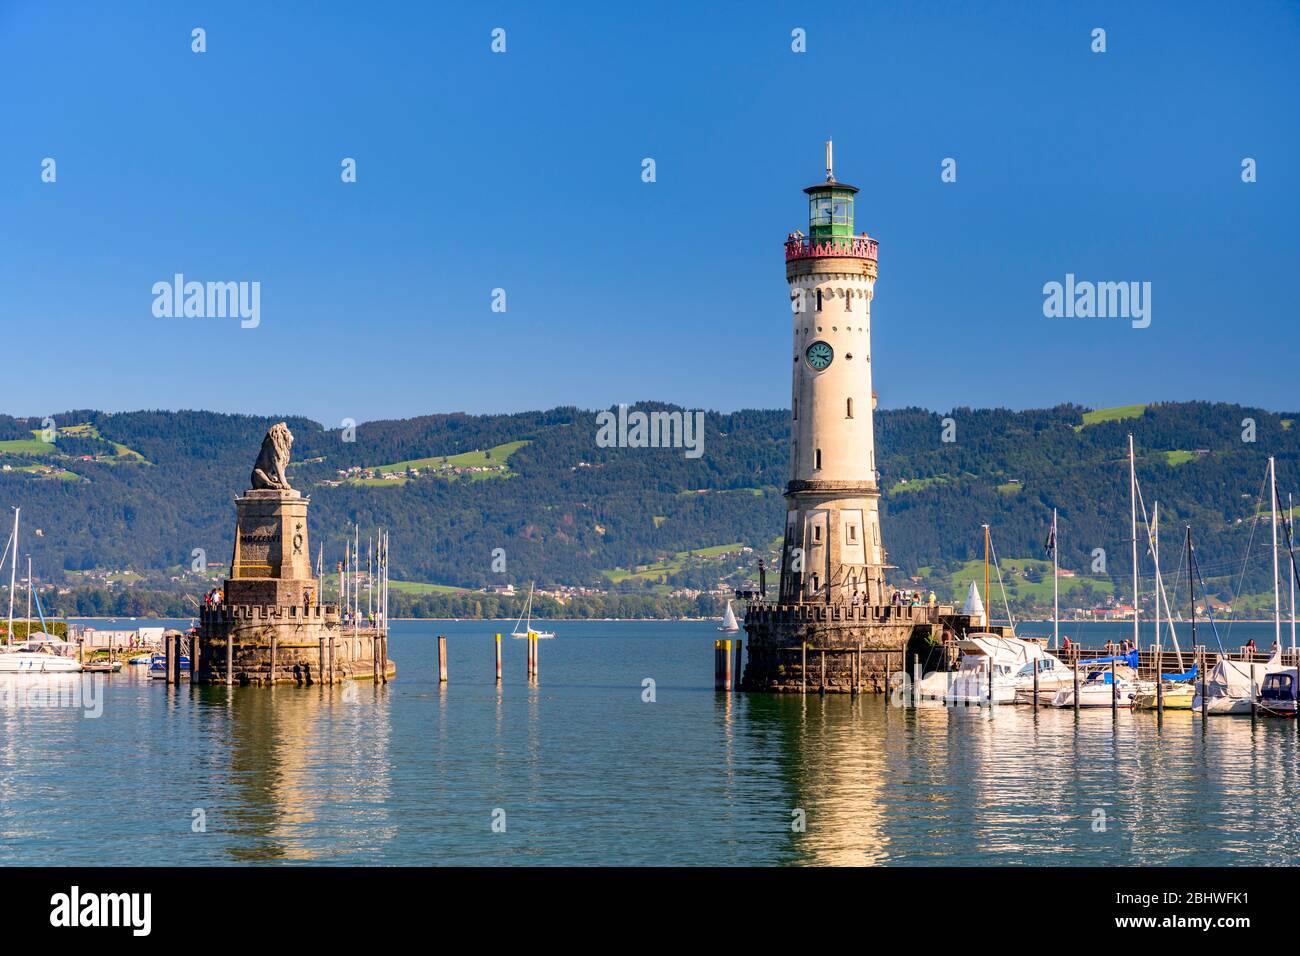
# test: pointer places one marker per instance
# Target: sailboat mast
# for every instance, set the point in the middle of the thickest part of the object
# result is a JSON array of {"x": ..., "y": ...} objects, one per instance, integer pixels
[
  {"x": 13, "y": 579},
  {"x": 1277, "y": 595},
  {"x": 1191, "y": 585},
  {"x": 987, "y": 598},
  {"x": 1155, "y": 557},
  {"x": 1056, "y": 589},
  {"x": 1132, "y": 489},
  {"x": 1290, "y": 546}
]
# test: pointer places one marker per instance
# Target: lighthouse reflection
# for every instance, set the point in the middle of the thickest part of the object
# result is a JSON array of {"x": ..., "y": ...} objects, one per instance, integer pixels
[{"x": 883, "y": 784}]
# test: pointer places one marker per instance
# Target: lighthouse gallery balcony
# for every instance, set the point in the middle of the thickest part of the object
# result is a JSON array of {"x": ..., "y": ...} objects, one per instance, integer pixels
[{"x": 855, "y": 247}]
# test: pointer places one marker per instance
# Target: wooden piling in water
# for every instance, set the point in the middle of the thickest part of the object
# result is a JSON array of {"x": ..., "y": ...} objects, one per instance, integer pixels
[
  {"x": 739, "y": 665},
  {"x": 1254, "y": 701},
  {"x": 537, "y": 657},
  {"x": 498, "y": 643},
  {"x": 803, "y": 668},
  {"x": 857, "y": 677},
  {"x": 821, "y": 684},
  {"x": 916, "y": 678},
  {"x": 1076, "y": 679},
  {"x": 1035, "y": 685},
  {"x": 1160, "y": 684},
  {"x": 169, "y": 657},
  {"x": 442, "y": 659},
  {"x": 230, "y": 659},
  {"x": 990, "y": 682},
  {"x": 272, "y": 658},
  {"x": 1205, "y": 704},
  {"x": 1114, "y": 691},
  {"x": 726, "y": 665}
]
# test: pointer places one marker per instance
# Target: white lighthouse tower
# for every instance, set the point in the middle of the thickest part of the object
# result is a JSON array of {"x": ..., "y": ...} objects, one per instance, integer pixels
[{"x": 833, "y": 552}]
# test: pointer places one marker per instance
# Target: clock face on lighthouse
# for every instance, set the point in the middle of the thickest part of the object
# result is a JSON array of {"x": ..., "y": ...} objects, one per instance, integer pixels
[{"x": 819, "y": 355}]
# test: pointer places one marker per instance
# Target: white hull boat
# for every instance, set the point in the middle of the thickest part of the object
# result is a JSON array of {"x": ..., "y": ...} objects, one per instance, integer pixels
[
  {"x": 36, "y": 658},
  {"x": 1012, "y": 662},
  {"x": 529, "y": 630}
]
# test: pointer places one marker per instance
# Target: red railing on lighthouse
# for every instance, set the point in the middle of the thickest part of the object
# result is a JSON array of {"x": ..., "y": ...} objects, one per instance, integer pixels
[{"x": 858, "y": 247}]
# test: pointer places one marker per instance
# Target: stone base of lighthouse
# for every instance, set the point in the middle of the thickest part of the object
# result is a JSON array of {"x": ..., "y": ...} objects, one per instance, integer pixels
[{"x": 794, "y": 648}]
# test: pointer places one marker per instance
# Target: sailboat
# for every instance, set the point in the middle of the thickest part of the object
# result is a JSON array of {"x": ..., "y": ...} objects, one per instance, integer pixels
[
  {"x": 40, "y": 653},
  {"x": 528, "y": 630},
  {"x": 729, "y": 620},
  {"x": 1231, "y": 686}
]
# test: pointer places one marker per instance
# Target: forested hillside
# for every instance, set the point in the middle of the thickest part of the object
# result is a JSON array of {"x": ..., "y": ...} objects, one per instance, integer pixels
[{"x": 140, "y": 491}]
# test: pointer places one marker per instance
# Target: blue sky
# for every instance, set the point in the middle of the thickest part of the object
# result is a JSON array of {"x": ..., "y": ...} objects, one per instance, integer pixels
[{"x": 522, "y": 171}]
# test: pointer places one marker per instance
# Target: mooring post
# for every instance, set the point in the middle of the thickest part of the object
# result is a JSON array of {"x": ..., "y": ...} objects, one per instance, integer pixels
[
  {"x": 1076, "y": 680},
  {"x": 990, "y": 663},
  {"x": 169, "y": 657},
  {"x": 803, "y": 668},
  {"x": 739, "y": 665},
  {"x": 857, "y": 682},
  {"x": 498, "y": 643},
  {"x": 821, "y": 686},
  {"x": 442, "y": 659},
  {"x": 1035, "y": 685},
  {"x": 1160, "y": 684},
  {"x": 230, "y": 658},
  {"x": 726, "y": 666},
  {"x": 194, "y": 658},
  {"x": 1114, "y": 691},
  {"x": 1254, "y": 705},
  {"x": 1205, "y": 704},
  {"x": 916, "y": 678},
  {"x": 321, "y": 660},
  {"x": 272, "y": 657},
  {"x": 537, "y": 657}
]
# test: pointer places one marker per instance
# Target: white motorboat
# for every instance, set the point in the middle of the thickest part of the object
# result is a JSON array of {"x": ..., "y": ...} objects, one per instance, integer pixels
[
  {"x": 529, "y": 630},
  {"x": 729, "y": 620},
  {"x": 1100, "y": 686},
  {"x": 1011, "y": 660}
]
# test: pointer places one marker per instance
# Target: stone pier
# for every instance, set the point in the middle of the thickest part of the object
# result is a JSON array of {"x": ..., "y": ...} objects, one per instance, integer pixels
[{"x": 872, "y": 640}]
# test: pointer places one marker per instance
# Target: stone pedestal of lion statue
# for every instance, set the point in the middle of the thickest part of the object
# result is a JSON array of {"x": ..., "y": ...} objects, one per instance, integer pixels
[{"x": 270, "y": 626}]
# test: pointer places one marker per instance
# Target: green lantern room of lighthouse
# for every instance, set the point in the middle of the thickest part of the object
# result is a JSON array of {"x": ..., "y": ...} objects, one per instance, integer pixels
[{"x": 830, "y": 209}]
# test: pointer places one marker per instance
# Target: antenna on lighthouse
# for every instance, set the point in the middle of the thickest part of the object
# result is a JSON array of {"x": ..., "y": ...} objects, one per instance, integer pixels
[{"x": 830, "y": 176}]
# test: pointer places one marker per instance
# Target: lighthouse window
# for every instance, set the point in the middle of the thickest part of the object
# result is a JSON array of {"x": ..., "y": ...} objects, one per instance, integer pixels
[
  {"x": 817, "y": 455},
  {"x": 853, "y": 532},
  {"x": 842, "y": 211},
  {"x": 849, "y": 410},
  {"x": 819, "y": 301},
  {"x": 820, "y": 210},
  {"x": 817, "y": 532}
]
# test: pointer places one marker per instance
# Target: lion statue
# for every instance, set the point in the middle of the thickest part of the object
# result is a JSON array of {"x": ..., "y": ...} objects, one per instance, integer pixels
[{"x": 273, "y": 459}]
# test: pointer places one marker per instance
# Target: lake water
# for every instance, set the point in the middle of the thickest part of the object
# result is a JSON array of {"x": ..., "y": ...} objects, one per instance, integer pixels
[{"x": 583, "y": 771}]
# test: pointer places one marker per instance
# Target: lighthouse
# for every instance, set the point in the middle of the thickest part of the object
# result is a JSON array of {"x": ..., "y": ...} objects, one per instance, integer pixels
[
  {"x": 833, "y": 627},
  {"x": 832, "y": 552}
]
